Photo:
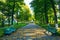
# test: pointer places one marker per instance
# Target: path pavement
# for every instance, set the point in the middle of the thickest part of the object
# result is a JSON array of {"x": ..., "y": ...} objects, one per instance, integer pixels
[{"x": 30, "y": 32}]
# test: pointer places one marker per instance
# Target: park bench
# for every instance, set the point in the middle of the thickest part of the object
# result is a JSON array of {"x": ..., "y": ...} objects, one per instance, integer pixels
[
  {"x": 9, "y": 30},
  {"x": 53, "y": 30}
]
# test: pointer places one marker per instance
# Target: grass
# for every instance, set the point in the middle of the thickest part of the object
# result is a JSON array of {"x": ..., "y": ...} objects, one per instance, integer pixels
[{"x": 19, "y": 25}]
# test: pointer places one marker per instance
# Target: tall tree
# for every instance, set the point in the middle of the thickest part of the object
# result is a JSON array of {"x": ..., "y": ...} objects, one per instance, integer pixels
[
  {"x": 12, "y": 4},
  {"x": 54, "y": 9},
  {"x": 55, "y": 13},
  {"x": 45, "y": 10},
  {"x": 24, "y": 13},
  {"x": 41, "y": 7},
  {"x": 9, "y": 9}
]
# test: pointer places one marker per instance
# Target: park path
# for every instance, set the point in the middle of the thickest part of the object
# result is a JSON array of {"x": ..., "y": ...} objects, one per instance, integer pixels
[{"x": 30, "y": 32}]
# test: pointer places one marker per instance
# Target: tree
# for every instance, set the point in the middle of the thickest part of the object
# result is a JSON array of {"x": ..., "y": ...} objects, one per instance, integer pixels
[
  {"x": 13, "y": 7},
  {"x": 10, "y": 8},
  {"x": 54, "y": 9},
  {"x": 24, "y": 13},
  {"x": 2, "y": 5},
  {"x": 41, "y": 8}
]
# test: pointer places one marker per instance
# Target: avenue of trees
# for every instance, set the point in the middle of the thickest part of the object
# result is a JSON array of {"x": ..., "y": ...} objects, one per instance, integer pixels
[
  {"x": 15, "y": 13},
  {"x": 46, "y": 11}
]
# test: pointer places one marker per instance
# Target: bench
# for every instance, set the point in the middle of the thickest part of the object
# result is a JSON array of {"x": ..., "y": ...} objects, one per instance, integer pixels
[
  {"x": 52, "y": 30},
  {"x": 9, "y": 30}
]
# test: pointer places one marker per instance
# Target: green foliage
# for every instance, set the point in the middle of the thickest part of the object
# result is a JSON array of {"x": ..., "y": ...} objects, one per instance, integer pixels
[
  {"x": 1, "y": 32},
  {"x": 19, "y": 25},
  {"x": 45, "y": 26},
  {"x": 39, "y": 9},
  {"x": 45, "y": 10},
  {"x": 12, "y": 7},
  {"x": 24, "y": 13}
]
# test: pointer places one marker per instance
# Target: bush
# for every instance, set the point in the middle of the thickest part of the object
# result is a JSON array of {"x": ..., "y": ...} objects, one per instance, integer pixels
[
  {"x": 19, "y": 25},
  {"x": 1, "y": 32},
  {"x": 45, "y": 26}
]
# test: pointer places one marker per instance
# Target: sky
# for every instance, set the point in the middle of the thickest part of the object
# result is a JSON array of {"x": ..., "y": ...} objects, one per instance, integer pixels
[{"x": 27, "y": 2}]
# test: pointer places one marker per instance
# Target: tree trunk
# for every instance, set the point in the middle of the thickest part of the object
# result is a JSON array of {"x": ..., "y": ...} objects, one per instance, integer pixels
[
  {"x": 9, "y": 21},
  {"x": 46, "y": 14},
  {"x": 53, "y": 7},
  {"x": 13, "y": 12},
  {"x": 2, "y": 22},
  {"x": 55, "y": 16}
]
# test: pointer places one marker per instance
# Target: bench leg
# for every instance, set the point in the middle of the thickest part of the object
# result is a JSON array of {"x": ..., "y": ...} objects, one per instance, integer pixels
[{"x": 53, "y": 34}]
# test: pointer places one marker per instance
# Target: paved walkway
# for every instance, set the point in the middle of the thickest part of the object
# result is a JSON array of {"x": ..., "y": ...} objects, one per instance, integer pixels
[{"x": 30, "y": 32}]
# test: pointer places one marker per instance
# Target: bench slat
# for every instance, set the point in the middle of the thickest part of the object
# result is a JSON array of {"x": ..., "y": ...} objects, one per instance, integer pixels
[{"x": 52, "y": 30}]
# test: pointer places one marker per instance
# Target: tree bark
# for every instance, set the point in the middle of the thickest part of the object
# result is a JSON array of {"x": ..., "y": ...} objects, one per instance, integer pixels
[
  {"x": 9, "y": 21},
  {"x": 55, "y": 16},
  {"x": 53, "y": 7},
  {"x": 46, "y": 14},
  {"x": 2, "y": 21},
  {"x": 13, "y": 12}
]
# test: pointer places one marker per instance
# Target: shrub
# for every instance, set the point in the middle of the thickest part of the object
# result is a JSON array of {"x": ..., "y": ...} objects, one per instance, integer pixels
[
  {"x": 1, "y": 32},
  {"x": 19, "y": 25}
]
